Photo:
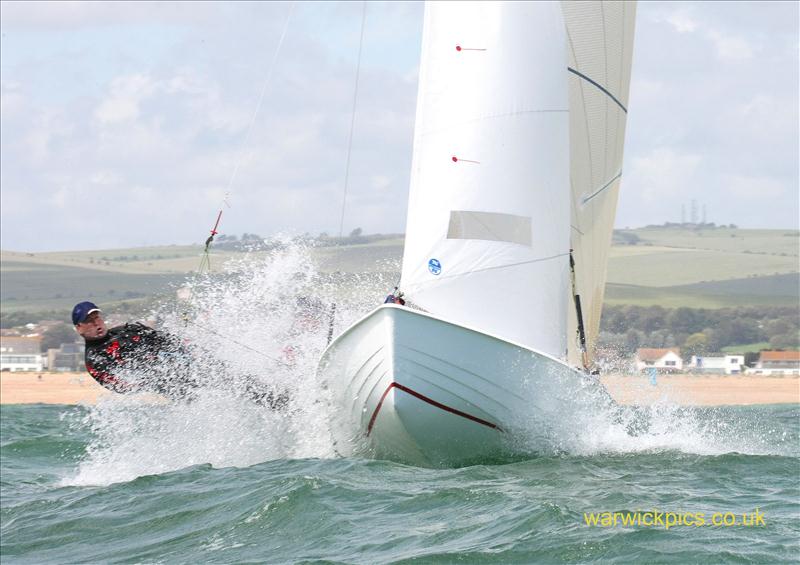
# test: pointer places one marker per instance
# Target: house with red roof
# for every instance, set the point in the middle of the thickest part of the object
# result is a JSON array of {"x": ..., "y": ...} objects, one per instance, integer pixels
[
  {"x": 776, "y": 363},
  {"x": 663, "y": 360}
]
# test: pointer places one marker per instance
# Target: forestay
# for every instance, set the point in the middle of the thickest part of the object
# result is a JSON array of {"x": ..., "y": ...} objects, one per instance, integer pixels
[
  {"x": 600, "y": 47},
  {"x": 487, "y": 240}
]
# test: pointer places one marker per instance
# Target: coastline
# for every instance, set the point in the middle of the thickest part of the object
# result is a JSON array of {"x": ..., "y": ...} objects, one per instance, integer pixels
[
  {"x": 51, "y": 388},
  {"x": 703, "y": 390},
  {"x": 682, "y": 389}
]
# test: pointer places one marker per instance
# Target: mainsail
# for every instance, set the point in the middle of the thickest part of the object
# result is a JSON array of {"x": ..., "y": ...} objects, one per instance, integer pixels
[
  {"x": 517, "y": 159},
  {"x": 600, "y": 48},
  {"x": 487, "y": 239}
]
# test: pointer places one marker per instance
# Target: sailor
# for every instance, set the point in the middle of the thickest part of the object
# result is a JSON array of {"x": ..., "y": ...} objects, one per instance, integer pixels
[
  {"x": 395, "y": 298},
  {"x": 136, "y": 358}
]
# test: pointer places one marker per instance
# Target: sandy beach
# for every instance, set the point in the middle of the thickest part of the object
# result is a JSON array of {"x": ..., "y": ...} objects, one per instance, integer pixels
[
  {"x": 79, "y": 388},
  {"x": 705, "y": 390},
  {"x": 49, "y": 388}
]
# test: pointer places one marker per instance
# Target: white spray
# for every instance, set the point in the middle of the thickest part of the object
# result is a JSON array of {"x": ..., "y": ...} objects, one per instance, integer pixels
[{"x": 267, "y": 316}]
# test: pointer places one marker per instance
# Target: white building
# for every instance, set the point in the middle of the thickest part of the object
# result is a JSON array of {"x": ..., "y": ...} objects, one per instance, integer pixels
[
  {"x": 663, "y": 360},
  {"x": 21, "y": 354},
  {"x": 719, "y": 365},
  {"x": 777, "y": 363}
]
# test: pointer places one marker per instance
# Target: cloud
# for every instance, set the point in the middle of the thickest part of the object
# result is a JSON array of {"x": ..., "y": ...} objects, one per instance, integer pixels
[
  {"x": 155, "y": 149},
  {"x": 710, "y": 118},
  {"x": 74, "y": 15},
  {"x": 142, "y": 111},
  {"x": 126, "y": 95},
  {"x": 756, "y": 188},
  {"x": 105, "y": 179},
  {"x": 47, "y": 129},
  {"x": 682, "y": 21},
  {"x": 663, "y": 173},
  {"x": 729, "y": 44},
  {"x": 730, "y": 47},
  {"x": 12, "y": 100}
]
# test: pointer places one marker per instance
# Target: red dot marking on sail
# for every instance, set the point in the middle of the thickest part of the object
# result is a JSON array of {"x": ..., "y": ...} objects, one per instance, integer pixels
[
  {"x": 456, "y": 160},
  {"x": 458, "y": 48}
]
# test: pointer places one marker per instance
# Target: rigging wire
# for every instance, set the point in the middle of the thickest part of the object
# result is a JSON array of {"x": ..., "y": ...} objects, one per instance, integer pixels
[
  {"x": 240, "y": 344},
  {"x": 205, "y": 261},
  {"x": 353, "y": 117}
]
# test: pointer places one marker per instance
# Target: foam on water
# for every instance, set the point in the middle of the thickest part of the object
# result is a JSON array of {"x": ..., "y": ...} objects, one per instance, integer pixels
[
  {"x": 264, "y": 316},
  {"x": 584, "y": 422},
  {"x": 267, "y": 316},
  {"x": 666, "y": 426}
]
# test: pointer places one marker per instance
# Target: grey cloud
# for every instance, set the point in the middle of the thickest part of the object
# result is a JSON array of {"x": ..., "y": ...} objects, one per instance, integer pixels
[
  {"x": 736, "y": 111},
  {"x": 147, "y": 136}
]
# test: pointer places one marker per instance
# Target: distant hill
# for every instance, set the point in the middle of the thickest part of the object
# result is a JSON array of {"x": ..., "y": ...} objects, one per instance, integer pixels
[
  {"x": 700, "y": 268},
  {"x": 706, "y": 268}
]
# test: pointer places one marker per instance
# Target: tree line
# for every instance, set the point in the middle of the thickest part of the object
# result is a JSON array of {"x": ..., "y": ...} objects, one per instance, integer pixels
[
  {"x": 698, "y": 331},
  {"x": 623, "y": 329}
]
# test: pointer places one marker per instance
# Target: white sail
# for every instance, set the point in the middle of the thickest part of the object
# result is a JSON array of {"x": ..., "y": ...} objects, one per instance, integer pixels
[
  {"x": 487, "y": 238},
  {"x": 600, "y": 47}
]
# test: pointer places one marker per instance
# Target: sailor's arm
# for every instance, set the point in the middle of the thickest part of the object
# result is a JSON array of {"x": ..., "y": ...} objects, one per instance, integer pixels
[
  {"x": 101, "y": 367},
  {"x": 155, "y": 340}
]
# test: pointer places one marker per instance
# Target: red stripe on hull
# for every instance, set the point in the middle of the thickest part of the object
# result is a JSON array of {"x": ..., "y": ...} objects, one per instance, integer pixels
[{"x": 430, "y": 401}]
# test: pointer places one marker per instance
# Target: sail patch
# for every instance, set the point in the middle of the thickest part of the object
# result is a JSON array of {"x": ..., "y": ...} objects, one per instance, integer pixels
[{"x": 490, "y": 226}]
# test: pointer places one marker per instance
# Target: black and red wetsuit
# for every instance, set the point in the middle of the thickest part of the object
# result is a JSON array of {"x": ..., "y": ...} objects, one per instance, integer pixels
[{"x": 135, "y": 357}]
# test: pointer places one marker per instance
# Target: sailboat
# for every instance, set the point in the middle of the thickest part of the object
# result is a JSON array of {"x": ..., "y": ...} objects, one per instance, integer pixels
[{"x": 518, "y": 146}]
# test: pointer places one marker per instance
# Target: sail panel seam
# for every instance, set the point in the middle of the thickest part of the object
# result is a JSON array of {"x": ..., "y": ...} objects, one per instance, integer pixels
[
  {"x": 537, "y": 260},
  {"x": 598, "y": 85},
  {"x": 602, "y": 188}
]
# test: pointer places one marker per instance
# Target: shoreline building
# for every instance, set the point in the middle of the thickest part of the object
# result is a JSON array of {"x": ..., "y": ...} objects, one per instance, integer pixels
[
  {"x": 776, "y": 363},
  {"x": 21, "y": 354},
  {"x": 663, "y": 360},
  {"x": 719, "y": 364},
  {"x": 69, "y": 357}
]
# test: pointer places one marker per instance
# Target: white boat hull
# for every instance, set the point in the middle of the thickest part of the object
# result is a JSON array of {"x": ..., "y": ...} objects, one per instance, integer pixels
[{"x": 411, "y": 387}]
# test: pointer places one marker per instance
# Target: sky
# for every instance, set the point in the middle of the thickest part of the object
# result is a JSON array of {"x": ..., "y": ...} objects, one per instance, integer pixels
[{"x": 130, "y": 124}]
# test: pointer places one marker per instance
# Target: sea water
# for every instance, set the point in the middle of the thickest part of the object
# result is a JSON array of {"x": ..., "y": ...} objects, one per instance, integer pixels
[{"x": 221, "y": 479}]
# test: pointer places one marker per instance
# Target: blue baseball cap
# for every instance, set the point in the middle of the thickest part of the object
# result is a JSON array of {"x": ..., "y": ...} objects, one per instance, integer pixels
[{"x": 82, "y": 311}]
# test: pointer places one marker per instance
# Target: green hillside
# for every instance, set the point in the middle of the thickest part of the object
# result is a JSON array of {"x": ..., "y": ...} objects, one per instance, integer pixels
[
  {"x": 774, "y": 290},
  {"x": 671, "y": 267},
  {"x": 27, "y": 286},
  {"x": 708, "y": 268}
]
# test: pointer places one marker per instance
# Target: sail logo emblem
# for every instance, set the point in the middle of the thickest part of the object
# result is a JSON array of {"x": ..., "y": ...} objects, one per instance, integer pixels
[{"x": 434, "y": 266}]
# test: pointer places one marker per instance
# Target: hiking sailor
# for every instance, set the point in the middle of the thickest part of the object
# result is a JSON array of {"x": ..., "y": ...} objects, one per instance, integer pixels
[
  {"x": 136, "y": 358},
  {"x": 395, "y": 297}
]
